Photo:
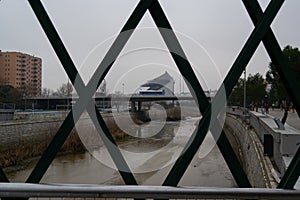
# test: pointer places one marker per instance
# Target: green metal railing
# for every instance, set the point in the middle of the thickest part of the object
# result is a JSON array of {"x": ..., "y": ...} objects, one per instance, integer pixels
[
  {"x": 261, "y": 32},
  {"x": 122, "y": 192}
]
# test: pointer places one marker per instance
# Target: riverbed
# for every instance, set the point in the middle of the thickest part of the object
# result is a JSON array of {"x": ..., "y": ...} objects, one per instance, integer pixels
[{"x": 150, "y": 159}]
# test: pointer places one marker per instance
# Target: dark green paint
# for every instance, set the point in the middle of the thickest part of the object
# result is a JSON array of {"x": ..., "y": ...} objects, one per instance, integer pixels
[
  {"x": 71, "y": 70},
  {"x": 3, "y": 177},
  {"x": 187, "y": 72},
  {"x": 262, "y": 32},
  {"x": 283, "y": 67}
]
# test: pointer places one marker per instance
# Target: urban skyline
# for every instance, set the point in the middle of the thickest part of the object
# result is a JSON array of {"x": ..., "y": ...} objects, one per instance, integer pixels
[{"x": 222, "y": 37}]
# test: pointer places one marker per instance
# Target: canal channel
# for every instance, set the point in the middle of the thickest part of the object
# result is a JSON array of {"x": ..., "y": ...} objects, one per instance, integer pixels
[{"x": 150, "y": 159}]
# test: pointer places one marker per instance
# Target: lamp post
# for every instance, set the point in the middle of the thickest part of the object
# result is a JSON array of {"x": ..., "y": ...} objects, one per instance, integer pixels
[
  {"x": 68, "y": 94},
  {"x": 244, "y": 112},
  {"x": 179, "y": 85},
  {"x": 123, "y": 87}
]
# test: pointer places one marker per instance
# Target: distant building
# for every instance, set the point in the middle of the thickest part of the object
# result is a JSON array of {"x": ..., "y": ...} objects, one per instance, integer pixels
[
  {"x": 22, "y": 71},
  {"x": 160, "y": 86}
]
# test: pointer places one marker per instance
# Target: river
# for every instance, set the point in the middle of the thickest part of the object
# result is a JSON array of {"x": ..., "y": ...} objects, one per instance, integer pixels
[{"x": 150, "y": 158}]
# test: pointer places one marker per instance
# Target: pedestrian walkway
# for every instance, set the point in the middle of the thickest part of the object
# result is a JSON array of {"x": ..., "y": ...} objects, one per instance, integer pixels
[{"x": 292, "y": 119}]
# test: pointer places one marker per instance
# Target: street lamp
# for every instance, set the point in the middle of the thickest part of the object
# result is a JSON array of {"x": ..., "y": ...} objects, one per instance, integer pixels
[
  {"x": 123, "y": 87},
  {"x": 68, "y": 93},
  {"x": 244, "y": 112}
]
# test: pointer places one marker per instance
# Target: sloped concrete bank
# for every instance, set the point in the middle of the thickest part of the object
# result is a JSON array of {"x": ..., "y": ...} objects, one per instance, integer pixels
[
  {"x": 249, "y": 149},
  {"x": 24, "y": 140}
]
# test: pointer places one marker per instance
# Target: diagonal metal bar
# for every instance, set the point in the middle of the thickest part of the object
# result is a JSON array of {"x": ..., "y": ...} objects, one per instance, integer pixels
[
  {"x": 276, "y": 55},
  {"x": 54, "y": 146},
  {"x": 202, "y": 90},
  {"x": 229, "y": 82},
  {"x": 101, "y": 72},
  {"x": 231, "y": 159},
  {"x": 187, "y": 72},
  {"x": 87, "y": 91},
  {"x": 287, "y": 76},
  {"x": 177, "y": 52},
  {"x": 3, "y": 177},
  {"x": 292, "y": 173},
  {"x": 110, "y": 144},
  {"x": 251, "y": 45},
  {"x": 71, "y": 71}
]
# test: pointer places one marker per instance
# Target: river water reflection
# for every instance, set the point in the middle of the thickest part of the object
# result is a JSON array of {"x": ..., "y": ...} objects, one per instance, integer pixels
[{"x": 149, "y": 158}]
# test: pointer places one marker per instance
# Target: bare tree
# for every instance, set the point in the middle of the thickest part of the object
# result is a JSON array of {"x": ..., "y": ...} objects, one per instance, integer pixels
[
  {"x": 116, "y": 102},
  {"x": 64, "y": 90},
  {"x": 27, "y": 90},
  {"x": 46, "y": 92},
  {"x": 102, "y": 90}
]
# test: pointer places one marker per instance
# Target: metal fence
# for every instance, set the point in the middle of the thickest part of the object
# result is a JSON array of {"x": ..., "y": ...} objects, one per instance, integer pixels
[
  {"x": 7, "y": 106},
  {"x": 71, "y": 191},
  {"x": 7, "y": 111},
  {"x": 261, "y": 33}
]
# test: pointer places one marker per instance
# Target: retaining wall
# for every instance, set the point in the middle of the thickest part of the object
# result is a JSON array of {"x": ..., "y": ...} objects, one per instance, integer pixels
[
  {"x": 6, "y": 114},
  {"x": 285, "y": 142},
  {"x": 258, "y": 168},
  {"x": 20, "y": 140},
  {"x": 14, "y": 133},
  {"x": 34, "y": 129}
]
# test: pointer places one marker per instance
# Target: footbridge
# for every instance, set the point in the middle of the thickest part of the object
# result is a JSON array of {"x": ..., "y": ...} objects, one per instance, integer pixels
[
  {"x": 51, "y": 103},
  {"x": 169, "y": 189}
]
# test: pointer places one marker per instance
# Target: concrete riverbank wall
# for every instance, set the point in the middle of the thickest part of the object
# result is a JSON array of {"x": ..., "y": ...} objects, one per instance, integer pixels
[
  {"x": 249, "y": 149},
  {"x": 20, "y": 140},
  {"x": 30, "y": 133},
  {"x": 17, "y": 133},
  {"x": 281, "y": 143},
  {"x": 23, "y": 140}
]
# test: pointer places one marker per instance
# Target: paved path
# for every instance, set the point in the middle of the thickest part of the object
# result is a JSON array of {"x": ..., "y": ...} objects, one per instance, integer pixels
[{"x": 293, "y": 118}]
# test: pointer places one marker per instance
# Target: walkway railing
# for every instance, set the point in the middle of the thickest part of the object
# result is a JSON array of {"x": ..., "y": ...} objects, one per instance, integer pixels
[{"x": 26, "y": 190}]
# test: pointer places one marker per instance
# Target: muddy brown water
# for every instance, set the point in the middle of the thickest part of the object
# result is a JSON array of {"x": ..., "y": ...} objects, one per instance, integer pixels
[{"x": 150, "y": 159}]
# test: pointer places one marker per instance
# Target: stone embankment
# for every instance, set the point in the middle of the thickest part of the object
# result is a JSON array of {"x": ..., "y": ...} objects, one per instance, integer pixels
[
  {"x": 258, "y": 167},
  {"x": 24, "y": 140},
  {"x": 21, "y": 140},
  {"x": 30, "y": 134}
]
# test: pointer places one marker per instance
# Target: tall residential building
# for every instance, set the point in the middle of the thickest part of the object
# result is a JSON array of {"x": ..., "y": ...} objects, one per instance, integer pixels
[{"x": 22, "y": 71}]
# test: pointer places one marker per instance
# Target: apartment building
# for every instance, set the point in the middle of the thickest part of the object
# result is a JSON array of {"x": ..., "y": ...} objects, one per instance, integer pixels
[{"x": 22, "y": 71}]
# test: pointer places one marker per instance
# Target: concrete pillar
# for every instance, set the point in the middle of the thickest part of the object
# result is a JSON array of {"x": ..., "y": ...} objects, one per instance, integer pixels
[
  {"x": 139, "y": 105},
  {"x": 133, "y": 108}
]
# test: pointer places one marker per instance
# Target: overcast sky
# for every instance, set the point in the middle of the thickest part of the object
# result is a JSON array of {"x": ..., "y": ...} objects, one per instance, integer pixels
[{"x": 212, "y": 32}]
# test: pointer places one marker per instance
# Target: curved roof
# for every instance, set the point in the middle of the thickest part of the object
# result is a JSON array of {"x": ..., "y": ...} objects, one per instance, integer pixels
[{"x": 159, "y": 82}]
